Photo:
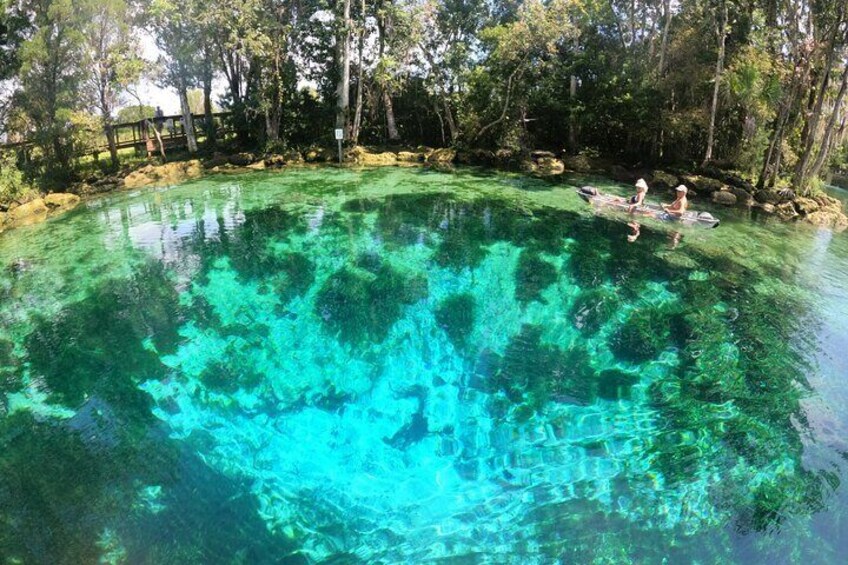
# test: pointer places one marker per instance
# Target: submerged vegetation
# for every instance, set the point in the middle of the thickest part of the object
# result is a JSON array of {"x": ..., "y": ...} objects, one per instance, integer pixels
[{"x": 321, "y": 371}]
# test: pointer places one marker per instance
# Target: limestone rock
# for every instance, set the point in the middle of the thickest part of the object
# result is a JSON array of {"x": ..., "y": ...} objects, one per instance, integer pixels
[
  {"x": 27, "y": 211},
  {"x": 169, "y": 173},
  {"x": 578, "y": 163},
  {"x": 362, "y": 156},
  {"x": 274, "y": 161},
  {"x": 216, "y": 160},
  {"x": 539, "y": 154},
  {"x": 767, "y": 197},
  {"x": 786, "y": 211},
  {"x": 410, "y": 157},
  {"x": 241, "y": 159},
  {"x": 742, "y": 196},
  {"x": 61, "y": 200},
  {"x": 724, "y": 197},
  {"x": 505, "y": 156},
  {"x": 622, "y": 174},
  {"x": 703, "y": 184},
  {"x": 663, "y": 180},
  {"x": 443, "y": 156},
  {"x": 320, "y": 155},
  {"x": 257, "y": 166},
  {"x": 766, "y": 207},
  {"x": 806, "y": 205},
  {"x": 548, "y": 166}
]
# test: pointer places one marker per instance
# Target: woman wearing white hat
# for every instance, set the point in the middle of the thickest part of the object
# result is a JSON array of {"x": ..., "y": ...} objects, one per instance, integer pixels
[
  {"x": 639, "y": 198},
  {"x": 678, "y": 207}
]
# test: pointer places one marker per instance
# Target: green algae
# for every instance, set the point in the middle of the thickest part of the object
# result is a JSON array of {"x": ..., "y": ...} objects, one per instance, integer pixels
[
  {"x": 532, "y": 276},
  {"x": 456, "y": 316}
]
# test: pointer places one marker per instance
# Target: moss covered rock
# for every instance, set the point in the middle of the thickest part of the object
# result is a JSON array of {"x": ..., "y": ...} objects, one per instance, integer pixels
[
  {"x": 442, "y": 156},
  {"x": 61, "y": 200},
  {"x": 170, "y": 173},
  {"x": 723, "y": 197},
  {"x": 663, "y": 180},
  {"x": 29, "y": 211}
]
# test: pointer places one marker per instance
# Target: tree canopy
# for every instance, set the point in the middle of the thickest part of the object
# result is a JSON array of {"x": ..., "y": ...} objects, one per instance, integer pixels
[{"x": 758, "y": 86}]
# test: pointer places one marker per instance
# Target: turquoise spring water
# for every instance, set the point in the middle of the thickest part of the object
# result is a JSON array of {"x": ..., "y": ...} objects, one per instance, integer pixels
[{"x": 412, "y": 366}]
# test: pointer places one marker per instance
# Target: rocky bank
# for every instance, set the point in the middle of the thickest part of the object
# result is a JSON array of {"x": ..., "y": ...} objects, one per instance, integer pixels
[{"x": 720, "y": 187}]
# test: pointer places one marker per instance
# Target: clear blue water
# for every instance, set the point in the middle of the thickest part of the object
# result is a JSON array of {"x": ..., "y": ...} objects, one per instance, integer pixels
[{"x": 407, "y": 366}]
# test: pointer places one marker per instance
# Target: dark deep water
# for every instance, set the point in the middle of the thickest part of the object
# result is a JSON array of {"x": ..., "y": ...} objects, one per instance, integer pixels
[{"x": 406, "y": 366}]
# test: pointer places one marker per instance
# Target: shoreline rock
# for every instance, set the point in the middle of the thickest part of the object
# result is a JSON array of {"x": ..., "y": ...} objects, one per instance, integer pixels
[{"x": 720, "y": 187}]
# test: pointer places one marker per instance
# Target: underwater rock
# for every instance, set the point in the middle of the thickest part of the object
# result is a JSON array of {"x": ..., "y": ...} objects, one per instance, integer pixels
[
  {"x": 724, "y": 197},
  {"x": 455, "y": 315},
  {"x": 170, "y": 173},
  {"x": 593, "y": 308},
  {"x": 532, "y": 276},
  {"x": 643, "y": 336},
  {"x": 61, "y": 200}
]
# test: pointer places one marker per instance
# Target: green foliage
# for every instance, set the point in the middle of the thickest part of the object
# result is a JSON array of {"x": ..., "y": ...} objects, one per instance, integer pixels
[
  {"x": 135, "y": 113},
  {"x": 12, "y": 184}
]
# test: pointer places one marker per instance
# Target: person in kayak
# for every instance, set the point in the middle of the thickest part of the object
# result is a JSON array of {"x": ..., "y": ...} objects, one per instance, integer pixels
[
  {"x": 678, "y": 207},
  {"x": 639, "y": 198}
]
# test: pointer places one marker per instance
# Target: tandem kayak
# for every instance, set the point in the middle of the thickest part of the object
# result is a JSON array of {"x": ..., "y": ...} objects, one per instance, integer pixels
[{"x": 690, "y": 218}]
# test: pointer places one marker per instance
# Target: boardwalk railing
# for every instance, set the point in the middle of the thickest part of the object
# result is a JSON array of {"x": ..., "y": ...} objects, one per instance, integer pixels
[{"x": 135, "y": 134}]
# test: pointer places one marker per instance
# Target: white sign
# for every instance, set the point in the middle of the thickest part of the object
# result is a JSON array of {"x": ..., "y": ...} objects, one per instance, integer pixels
[{"x": 339, "y": 134}]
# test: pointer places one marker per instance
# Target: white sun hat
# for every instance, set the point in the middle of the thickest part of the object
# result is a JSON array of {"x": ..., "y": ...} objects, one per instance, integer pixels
[
  {"x": 682, "y": 188},
  {"x": 642, "y": 184}
]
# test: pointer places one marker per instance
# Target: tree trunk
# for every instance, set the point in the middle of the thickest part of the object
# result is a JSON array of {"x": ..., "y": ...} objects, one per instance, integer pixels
[
  {"x": 110, "y": 140},
  {"x": 572, "y": 114},
  {"x": 343, "y": 58},
  {"x": 811, "y": 126},
  {"x": 664, "y": 43},
  {"x": 357, "y": 118},
  {"x": 391, "y": 125},
  {"x": 722, "y": 35},
  {"x": 188, "y": 122},
  {"x": 209, "y": 125},
  {"x": 826, "y": 144},
  {"x": 449, "y": 119}
]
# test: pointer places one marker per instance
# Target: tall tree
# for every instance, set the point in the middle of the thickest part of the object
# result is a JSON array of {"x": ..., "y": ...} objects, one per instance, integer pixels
[
  {"x": 112, "y": 58},
  {"x": 721, "y": 35},
  {"x": 50, "y": 75},
  {"x": 343, "y": 62},
  {"x": 177, "y": 39}
]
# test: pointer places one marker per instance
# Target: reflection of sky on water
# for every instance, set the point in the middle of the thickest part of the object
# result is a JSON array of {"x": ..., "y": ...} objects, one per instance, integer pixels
[{"x": 162, "y": 230}]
